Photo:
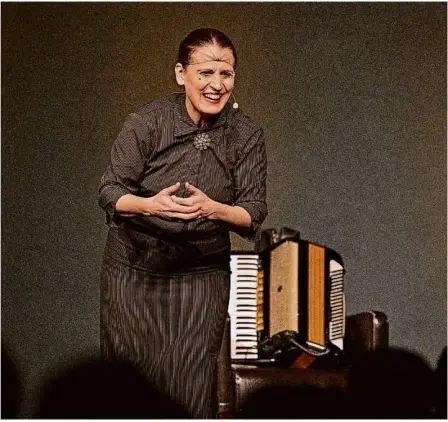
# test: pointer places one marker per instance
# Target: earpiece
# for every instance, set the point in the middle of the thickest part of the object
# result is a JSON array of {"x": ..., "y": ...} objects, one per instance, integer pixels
[{"x": 235, "y": 104}]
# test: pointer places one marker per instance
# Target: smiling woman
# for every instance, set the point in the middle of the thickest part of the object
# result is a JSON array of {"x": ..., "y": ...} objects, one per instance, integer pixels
[
  {"x": 184, "y": 171},
  {"x": 209, "y": 78}
]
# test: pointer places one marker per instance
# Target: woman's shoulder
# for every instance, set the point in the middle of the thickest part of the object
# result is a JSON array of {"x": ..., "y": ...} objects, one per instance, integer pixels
[
  {"x": 239, "y": 121},
  {"x": 159, "y": 105}
]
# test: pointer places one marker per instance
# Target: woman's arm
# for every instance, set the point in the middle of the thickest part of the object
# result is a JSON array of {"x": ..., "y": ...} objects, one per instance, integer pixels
[
  {"x": 126, "y": 164},
  {"x": 120, "y": 183},
  {"x": 250, "y": 175},
  {"x": 236, "y": 216},
  {"x": 231, "y": 214}
]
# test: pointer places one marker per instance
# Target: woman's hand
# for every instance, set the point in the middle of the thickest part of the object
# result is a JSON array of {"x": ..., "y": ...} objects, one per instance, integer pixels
[
  {"x": 213, "y": 210},
  {"x": 164, "y": 205},
  {"x": 197, "y": 199},
  {"x": 167, "y": 205},
  {"x": 160, "y": 205}
]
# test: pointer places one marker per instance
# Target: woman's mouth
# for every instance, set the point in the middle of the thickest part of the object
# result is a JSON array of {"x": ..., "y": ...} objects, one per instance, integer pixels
[{"x": 212, "y": 98}]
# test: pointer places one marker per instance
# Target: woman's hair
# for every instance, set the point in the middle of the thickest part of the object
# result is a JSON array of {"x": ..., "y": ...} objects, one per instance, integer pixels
[{"x": 200, "y": 37}]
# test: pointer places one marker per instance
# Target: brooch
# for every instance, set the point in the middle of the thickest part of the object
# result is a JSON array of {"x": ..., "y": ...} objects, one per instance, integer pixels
[{"x": 201, "y": 141}]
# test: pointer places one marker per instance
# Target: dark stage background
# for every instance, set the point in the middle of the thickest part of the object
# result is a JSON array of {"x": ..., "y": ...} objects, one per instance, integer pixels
[{"x": 352, "y": 97}]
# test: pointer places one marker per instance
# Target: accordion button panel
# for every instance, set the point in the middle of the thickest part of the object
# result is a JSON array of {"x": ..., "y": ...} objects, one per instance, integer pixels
[{"x": 337, "y": 304}]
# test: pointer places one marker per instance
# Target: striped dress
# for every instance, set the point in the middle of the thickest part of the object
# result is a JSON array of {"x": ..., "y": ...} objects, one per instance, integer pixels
[{"x": 165, "y": 283}]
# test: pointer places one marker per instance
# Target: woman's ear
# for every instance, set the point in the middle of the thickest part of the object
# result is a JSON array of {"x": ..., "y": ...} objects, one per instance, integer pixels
[{"x": 179, "y": 71}]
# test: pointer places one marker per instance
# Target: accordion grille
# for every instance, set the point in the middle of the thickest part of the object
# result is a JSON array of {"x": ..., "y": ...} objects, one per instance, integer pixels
[{"x": 283, "y": 291}]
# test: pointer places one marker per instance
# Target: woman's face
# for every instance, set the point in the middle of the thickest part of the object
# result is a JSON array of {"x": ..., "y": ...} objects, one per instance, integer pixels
[{"x": 208, "y": 79}]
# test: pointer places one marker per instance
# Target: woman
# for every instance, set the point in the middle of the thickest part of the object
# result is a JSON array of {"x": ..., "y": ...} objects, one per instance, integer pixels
[{"x": 184, "y": 171}]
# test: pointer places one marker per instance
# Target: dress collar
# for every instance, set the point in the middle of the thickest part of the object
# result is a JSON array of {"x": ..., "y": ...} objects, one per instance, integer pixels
[{"x": 183, "y": 125}]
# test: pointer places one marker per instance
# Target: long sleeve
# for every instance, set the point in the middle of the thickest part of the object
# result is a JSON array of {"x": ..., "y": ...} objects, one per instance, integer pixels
[
  {"x": 126, "y": 165},
  {"x": 250, "y": 182}
]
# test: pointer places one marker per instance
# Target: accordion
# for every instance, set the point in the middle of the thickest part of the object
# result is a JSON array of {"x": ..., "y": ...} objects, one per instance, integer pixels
[{"x": 291, "y": 285}]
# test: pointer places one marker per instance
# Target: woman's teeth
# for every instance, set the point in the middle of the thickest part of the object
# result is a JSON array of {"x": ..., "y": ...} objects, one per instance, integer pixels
[{"x": 213, "y": 97}]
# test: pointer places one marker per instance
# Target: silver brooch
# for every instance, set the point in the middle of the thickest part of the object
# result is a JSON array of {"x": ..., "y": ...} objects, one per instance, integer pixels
[{"x": 201, "y": 141}]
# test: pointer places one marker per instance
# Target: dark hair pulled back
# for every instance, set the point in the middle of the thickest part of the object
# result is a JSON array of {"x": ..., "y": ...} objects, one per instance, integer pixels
[{"x": 200, "y": 37}]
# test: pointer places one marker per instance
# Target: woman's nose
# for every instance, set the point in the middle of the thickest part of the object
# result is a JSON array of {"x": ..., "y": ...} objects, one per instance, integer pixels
[{"x": 216, "y": 82}]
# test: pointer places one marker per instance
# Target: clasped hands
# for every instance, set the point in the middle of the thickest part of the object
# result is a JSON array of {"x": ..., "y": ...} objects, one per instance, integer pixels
[{"x": 166, "y": 204}]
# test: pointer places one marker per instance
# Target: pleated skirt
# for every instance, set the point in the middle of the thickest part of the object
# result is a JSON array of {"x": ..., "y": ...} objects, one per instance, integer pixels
[{"x": 169, "y": 327}]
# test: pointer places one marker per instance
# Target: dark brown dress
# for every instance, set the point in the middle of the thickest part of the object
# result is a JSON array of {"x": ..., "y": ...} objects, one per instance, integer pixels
[{"x": 165, "y": 283}]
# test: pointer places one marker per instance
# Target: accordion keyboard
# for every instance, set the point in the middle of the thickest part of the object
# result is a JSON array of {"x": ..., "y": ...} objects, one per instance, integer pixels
[{"x": 243, "y": 305}]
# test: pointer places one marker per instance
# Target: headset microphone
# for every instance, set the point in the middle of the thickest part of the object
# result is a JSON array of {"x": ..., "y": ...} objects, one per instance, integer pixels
[{"x": 235, "y": 104}]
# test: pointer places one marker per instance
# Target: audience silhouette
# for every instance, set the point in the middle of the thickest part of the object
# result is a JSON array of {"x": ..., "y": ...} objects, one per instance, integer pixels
[
  {"x": 441, "y": 383},
  {"x": 387, "y": 383},
  {"x": 10, "y": 387},
  {"x": 105, "y": 390},
  {"x": 391, "y": 383}
]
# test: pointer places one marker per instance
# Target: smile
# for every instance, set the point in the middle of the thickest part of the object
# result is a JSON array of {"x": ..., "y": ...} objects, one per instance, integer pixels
[{"x": 213, "y": 98}]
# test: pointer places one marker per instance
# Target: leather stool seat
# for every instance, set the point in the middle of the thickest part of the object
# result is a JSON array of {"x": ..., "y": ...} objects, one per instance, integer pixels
[{"x": 249, "y": 391}]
